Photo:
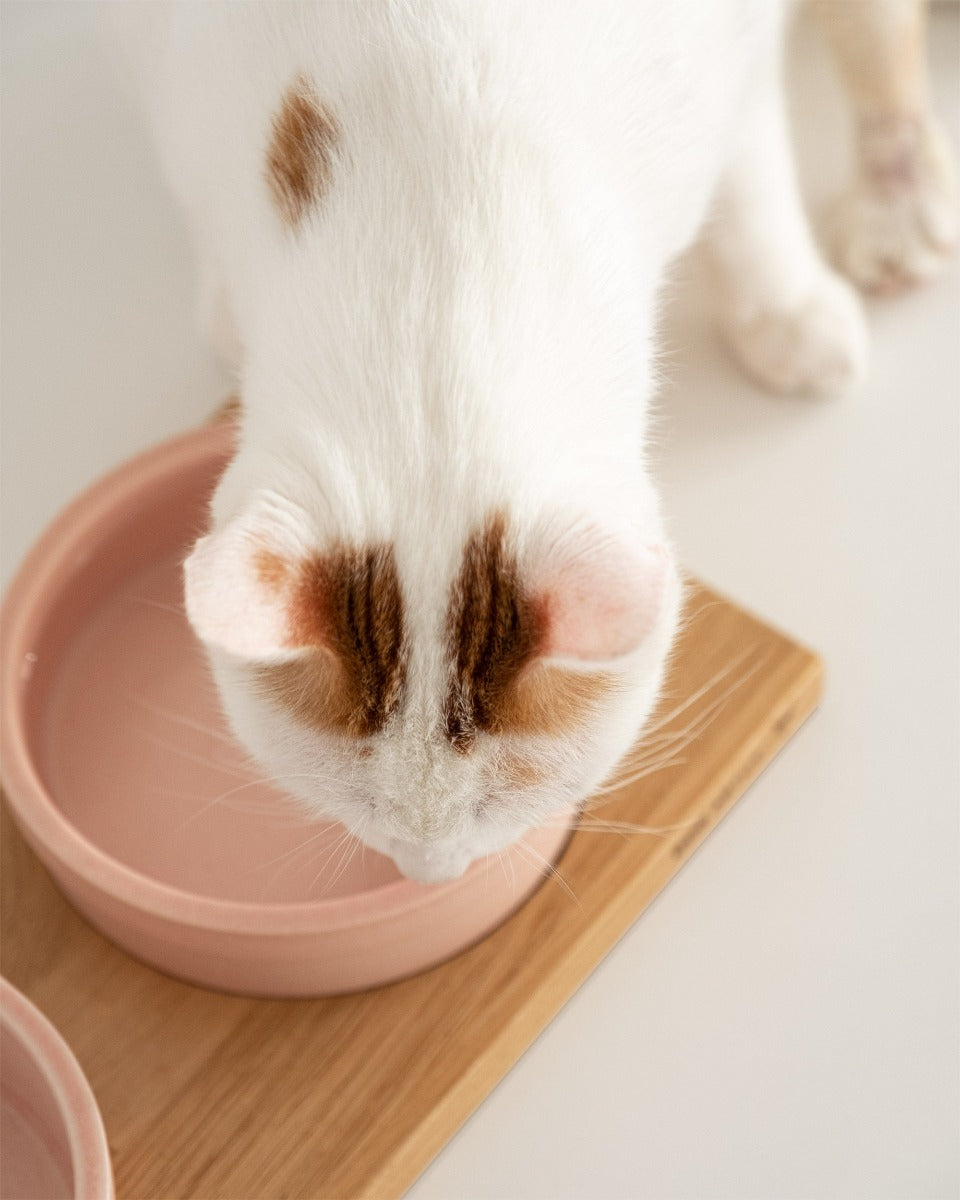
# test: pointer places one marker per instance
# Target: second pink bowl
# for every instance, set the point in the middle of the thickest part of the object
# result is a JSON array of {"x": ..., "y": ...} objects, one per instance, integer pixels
[
  {"x": 124, "y": 779},
  {"x": 52, "y": 1141}
]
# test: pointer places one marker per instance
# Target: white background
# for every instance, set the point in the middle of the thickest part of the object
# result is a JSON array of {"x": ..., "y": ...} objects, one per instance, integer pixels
[{"x": 783, "y": 1021}]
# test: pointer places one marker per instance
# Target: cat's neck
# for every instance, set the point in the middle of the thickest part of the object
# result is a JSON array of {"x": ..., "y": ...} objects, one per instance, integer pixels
[{"x": 467, "y": 301}]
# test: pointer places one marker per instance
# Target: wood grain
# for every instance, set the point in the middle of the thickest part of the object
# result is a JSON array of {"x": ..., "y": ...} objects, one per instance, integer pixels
[{"x": 207, "y": 1095}]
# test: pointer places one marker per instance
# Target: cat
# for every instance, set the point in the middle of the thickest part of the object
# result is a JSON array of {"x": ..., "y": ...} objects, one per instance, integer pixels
[{"x": 437, "y": 593}]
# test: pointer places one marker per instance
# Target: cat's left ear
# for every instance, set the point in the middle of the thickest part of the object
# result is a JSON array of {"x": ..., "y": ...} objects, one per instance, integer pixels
[
  {"x": 236, "y": 590},
  {"x": 601, "y": 599}
]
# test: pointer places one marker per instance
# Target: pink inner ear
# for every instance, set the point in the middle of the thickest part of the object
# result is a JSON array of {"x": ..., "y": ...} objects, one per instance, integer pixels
[
  {"x": 231, "y": 602},
  {"x": 602, "y": 604}
]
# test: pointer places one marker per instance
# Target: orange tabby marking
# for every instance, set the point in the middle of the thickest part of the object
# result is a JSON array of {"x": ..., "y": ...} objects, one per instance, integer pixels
[
  {"x": 495, "y": 629},
  {"x": 346, "y": 608}
]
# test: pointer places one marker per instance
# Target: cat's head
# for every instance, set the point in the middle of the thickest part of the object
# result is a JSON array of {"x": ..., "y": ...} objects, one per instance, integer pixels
[{"x": 438, "y": 704}]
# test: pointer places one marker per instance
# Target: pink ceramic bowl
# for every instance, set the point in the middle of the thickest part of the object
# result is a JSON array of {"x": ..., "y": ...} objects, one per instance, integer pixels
[
  {"x": 52, "y": 1143},
  {"x": 123, "y": 778}
]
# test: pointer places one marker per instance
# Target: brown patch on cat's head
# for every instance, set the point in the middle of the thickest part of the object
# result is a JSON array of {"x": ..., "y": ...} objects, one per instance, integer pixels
[
  {"x": 495, "y": 630},
  {"x": 300, "y": 154},
  {"x": 345, "y": 608}
]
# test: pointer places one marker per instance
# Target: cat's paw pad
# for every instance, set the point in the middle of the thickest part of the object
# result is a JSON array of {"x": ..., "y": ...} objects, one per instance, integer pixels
[
  {"x": 818, "y": 347},
  {"x": 898, "y": 225}
]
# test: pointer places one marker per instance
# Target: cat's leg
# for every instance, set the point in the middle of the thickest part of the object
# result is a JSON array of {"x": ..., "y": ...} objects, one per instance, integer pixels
[
  {"x": 794, "y": 324},
  {"x": 898, "y": 222}
]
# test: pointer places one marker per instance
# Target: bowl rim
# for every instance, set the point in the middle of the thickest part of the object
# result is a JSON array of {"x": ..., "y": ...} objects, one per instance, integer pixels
[
  {"x": 77, "y": 1105},
  {"x": 31, "y": 590}
]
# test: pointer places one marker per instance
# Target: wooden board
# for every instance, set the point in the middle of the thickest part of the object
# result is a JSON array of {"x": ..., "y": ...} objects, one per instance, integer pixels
[{"x": 210, "y": 1095}]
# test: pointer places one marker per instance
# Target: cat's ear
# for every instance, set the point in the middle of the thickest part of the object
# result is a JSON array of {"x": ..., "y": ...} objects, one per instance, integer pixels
[
  {"x": 599, "y": 598},
  {"x": 237, "y": 594}
]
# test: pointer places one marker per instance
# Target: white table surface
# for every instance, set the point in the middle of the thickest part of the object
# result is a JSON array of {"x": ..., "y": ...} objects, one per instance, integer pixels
[{"x": 783, "y": 1021}]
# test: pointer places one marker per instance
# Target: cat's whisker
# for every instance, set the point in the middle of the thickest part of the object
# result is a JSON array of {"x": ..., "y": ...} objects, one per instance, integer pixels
[
  {"x": 503, "y": 866},
  {"x": 358, "y": 842},
  {"x": 325, "y": 854},
  {"x": 347, "y": 856},
  {"x": 682, "y": 737},
  {"x": 328, "y": 831},
  {"x": 215, "y": 800},
  {"x": 547, "y": 868},
  {"x": 188, "y": 756},
  {"x": 345, "y": 848},
  {"x": 661, "y": 749},
  {"x": 300, "y": 857},
  {"x": 663, "y": 754},
  {"x": 181, "y": 719},
  {"x": 599, "y": 825},
  {"x": 169, "y": 608},
  {"x": 650, "y": 769},
  {"x": 712, "y": 682},
  {"x": 275, "y": 809},
  {"x": 689, "y": 619},
  {"x": 337, "y": 848},
  {"x": 693, "y": 728},
  {"x": 641, "y": 764}
]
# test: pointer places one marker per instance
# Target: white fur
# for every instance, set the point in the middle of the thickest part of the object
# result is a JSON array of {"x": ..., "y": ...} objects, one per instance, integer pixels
[{"x": 466, "y": 323}]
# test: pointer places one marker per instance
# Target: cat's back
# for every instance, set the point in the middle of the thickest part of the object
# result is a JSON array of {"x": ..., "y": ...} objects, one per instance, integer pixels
[{"x": 644, "y": 91}]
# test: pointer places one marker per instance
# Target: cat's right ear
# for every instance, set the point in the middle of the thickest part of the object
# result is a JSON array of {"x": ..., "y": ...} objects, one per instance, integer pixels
[{"x": 237, "y": 595}]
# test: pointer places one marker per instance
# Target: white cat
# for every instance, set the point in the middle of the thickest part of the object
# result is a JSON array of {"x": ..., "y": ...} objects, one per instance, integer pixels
[{"x": 437, "y": 592}]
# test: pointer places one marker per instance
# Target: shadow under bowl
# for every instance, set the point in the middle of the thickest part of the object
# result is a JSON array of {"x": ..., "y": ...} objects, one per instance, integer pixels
[{"x": 124, "y": 779}]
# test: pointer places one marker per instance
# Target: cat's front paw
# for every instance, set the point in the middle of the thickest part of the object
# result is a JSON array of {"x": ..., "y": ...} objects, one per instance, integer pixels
[
  {"x": 818, "y": 347},
  {"x": 898, "y": 224}
]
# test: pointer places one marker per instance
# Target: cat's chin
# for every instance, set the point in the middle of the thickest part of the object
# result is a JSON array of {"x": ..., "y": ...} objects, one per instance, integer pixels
[{"x": 429, "y": 864}]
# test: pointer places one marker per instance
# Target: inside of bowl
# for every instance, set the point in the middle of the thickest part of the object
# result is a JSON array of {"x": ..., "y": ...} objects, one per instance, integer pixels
[
  {"x": 35, "y": 1159},
  {"x": 125, "y": 726}
]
